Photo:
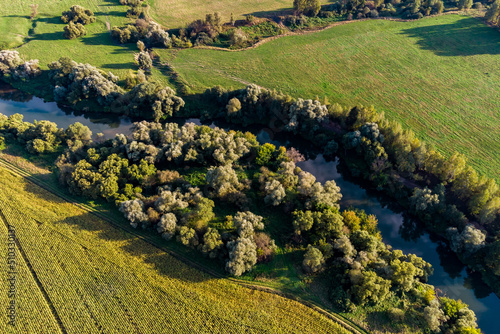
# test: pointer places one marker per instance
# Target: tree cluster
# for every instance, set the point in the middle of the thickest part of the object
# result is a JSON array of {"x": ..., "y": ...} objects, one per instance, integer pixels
[
  {"x": 442, "y": 192},
  {"x": 42, "y": 137},
  {"x": 138, "y": 174},
  {"x": 12, "y": 66},
  {"x": 74, "y": 82},
  {"x": 77, "y": 17}
]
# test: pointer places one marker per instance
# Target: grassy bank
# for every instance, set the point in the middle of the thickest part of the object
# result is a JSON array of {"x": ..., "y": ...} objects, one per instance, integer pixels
[{"x": 437, "y": 76}]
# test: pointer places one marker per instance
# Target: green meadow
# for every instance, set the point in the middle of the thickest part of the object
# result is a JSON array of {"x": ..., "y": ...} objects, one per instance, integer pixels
[{"x": 437, "y": 76}]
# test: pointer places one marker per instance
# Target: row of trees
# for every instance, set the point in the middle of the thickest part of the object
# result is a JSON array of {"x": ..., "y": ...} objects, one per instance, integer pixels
[{"x": 42, "y": 136}]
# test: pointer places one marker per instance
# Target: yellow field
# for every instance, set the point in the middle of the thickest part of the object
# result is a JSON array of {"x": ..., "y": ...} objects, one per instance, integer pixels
[
  {"x": 98, "y": 278},
  {"x": 178, "y": 13}
]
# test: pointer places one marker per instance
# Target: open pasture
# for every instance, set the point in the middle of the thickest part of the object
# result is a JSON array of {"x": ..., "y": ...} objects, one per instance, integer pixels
[{"x": 437, "y": 76}]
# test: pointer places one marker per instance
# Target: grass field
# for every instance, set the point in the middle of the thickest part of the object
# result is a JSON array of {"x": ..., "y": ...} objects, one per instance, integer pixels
[
  {"x": 46, "y": 43},
  {"x": 178, "y": 13},
  {"x": 438, "y": 76},
  {"x": 79, "y": 274}
]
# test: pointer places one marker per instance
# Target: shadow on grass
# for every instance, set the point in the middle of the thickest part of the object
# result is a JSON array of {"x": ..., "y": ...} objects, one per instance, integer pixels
[
  {"x": 111, "y": 3},
  {"x": 465, "y": 37},
  {"x": 120, "y": 66},
  {"x": 149, "y": 251},
  {"x": 111, "y": 13}
]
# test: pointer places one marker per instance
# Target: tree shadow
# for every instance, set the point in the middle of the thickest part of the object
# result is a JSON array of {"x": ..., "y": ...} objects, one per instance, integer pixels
[
  {"x": 111, "y": 13},
  {"x": 465, "y": 37},
  {"x": 449, "y": 261},
  {"x": 9, "y": 93},
  {"x": 272, "y": 13},
  {"x": 111, "y": 3},
  {"x": 50, "y": 20},
  {"x": 119, "y": 66}
]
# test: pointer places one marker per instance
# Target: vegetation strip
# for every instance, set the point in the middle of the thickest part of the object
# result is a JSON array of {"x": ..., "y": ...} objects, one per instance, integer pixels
[{"x": 314, "y": 30}]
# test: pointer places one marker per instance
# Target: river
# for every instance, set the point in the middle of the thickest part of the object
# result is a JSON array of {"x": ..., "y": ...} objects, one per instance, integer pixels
[{"x": 450, "y": 275}]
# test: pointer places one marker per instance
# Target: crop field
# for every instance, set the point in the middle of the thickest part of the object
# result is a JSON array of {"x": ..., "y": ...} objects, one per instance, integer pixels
[
  {"x": 178, "y": 13},
  {"x": 78, "y": 274},
  {"x": 438, "y": 76}
]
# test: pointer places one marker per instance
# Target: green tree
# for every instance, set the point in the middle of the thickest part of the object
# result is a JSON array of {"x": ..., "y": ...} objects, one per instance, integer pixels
[
  {"x": 465, "y": 4},
  {"x": 313, "y": 260},
  {"x": 303, "y": 221},
  {"x": 212, "y": 242},
  {"x": 143, "y": 60},
  {"x": 233, "y": 106},
  {"x": 74, "y": 30},
  {"x": 307, "y": 7},
  {"x": 242, "y": 255},
  {"x": 493, "y": 13},
  {"x": 368, "y": 287}
]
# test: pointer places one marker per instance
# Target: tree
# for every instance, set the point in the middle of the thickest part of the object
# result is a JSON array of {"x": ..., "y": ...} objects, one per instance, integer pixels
[
  {"x": 313, "y": 260},
  {"x": 246, "y": 223},
  {"x": 493, "y": 13},
  {"x": 78, "y": 14},
  {"x": 74, "y": 30},
  {"x": 275, "y": 193},
  {"x": 343, "y": 244},
  {"x": 134, "y": 212},
  {"x": 223, "y": 180},
  {"x": 141, "y": 46},
  {"x": 34, "y": 11},
  {"x": 242, "y": 255},
  {"x": 434, "y": 315},
  {"x": 303, "y": 221},
  {"x": 187, "y": 236},
  {"x": 233, "y": 106},
  {"x": 78, "y": 132},
  {"x": 307, "y": 7},
  {"x": 167, "y": 225},
  {"x": 238, "y": 37},
  {"x": 465, "y": 4},
  {"x": 368, "y": 287},
  {"x": 212, "y": 242},
  {"x": 143, "y": 60},
  {"x": 265, "y": 154}
]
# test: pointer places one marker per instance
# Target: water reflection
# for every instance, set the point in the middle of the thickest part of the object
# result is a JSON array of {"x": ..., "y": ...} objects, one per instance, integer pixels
[
  {"x": 398, "y": 230},
  {"x": 34, "y": 108}
]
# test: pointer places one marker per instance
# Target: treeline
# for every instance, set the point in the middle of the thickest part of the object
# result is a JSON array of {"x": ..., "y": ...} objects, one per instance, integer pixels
[
  {"x": 86, "y": 87},
  {"x": 445, "y": 193},
  {"x": 43, "y": 136},
  {"x": 172, "y": 179}
]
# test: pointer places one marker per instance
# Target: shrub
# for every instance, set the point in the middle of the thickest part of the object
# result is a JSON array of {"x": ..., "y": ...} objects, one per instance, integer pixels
[
  {"x": 72, "y": 30},
  {"x": 78, "y": 14}
]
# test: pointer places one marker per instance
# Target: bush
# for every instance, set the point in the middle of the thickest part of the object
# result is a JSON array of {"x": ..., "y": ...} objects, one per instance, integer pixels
[
  {"x": 72, "y": 30},
  {"x": 238, "y": 37},
  {"x": 78, "y": 14}
]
